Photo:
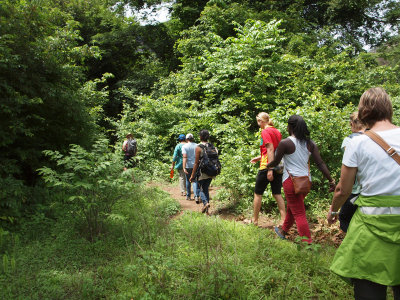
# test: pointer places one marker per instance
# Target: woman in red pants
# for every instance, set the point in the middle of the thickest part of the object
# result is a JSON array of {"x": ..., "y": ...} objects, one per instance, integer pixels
[{"x": 295, "y": 151}]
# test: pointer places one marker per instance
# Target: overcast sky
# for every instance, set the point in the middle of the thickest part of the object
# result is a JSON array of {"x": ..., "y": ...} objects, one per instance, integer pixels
[{"x": 151, "y": 15}]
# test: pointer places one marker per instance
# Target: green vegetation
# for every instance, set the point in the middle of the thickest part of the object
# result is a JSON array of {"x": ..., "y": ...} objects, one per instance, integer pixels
[
  {"x": 143, "y": 254},
  {"x": 77, "y": 75}
]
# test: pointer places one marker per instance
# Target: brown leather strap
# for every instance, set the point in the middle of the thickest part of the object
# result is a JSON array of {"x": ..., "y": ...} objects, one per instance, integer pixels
[{"x": 385, "y": 146}]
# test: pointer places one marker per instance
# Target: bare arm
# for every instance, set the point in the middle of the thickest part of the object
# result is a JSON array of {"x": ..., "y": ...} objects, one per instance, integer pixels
[
  {"x": 255, "y": 159},
  {"x": 342, "y": 191},
  {"x": 271, "y": 156},
  {"x": 286, "y": 146},
  {"x": 321, "y": 164},
  {"x": 184, "y": 155}
]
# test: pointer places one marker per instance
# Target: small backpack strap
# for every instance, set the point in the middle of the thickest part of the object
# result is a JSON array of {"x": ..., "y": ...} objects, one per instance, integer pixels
[{"x": 385, "y": 146}]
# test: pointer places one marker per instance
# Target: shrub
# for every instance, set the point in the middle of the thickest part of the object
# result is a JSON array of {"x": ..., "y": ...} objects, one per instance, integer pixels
[{"x": 92, "y": 180}]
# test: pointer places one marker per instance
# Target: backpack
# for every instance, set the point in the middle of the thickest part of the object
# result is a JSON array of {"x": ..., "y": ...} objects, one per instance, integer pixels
[
  {"x": 210, "y": 164},
  {"x": 131, "y": 147}
]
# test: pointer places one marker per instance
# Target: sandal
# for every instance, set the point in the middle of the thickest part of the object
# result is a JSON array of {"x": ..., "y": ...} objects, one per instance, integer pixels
[
  {"x": 205, "y": 208},
  {"x": 279, "y": 232}
]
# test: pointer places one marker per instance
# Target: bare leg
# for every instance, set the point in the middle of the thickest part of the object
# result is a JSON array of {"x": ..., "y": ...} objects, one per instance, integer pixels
[
  {"x": 256, "y": 208},
  {"x": 281, "y": 206}
]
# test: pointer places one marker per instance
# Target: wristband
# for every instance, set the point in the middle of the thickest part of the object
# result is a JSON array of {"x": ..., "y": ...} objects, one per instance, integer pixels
[{"x": 334, "y": 213}]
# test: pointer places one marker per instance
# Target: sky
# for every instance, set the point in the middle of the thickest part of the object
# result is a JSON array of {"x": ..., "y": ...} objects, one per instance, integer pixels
[{"x": 150, "y": 15}]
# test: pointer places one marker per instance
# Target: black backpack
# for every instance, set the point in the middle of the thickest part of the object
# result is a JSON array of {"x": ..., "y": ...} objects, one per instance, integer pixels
[
  {"x": 131, "y": 147},
  {"x": 210, "y": 164}
]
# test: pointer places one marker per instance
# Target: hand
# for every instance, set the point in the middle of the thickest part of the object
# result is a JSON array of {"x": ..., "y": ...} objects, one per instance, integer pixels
[
  {"x": 254, "y": 160},
  {"x": 332, "y": 185},
  {"x": 186, "y": 172},
  {"x": 270, "y": 175},
  {"x": 330, "y": 218},
  {"x": 191, "y": 179}
]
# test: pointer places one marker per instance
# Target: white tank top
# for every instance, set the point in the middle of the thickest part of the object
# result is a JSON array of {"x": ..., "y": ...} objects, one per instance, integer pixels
[{"x": 297, "y": 162}]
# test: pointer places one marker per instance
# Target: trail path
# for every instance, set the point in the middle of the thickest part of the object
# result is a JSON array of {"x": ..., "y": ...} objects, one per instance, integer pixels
[{"x": 321, "y": 232}]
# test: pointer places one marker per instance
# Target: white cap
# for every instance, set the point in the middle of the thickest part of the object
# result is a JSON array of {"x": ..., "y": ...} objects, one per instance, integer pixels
[{"x": 189, "y": 136}]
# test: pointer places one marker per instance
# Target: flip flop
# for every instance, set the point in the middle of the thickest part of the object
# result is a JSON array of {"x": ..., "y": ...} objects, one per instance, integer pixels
[
  {"x": 279, "y": 232},
  {"x": 205, "y": 208}
]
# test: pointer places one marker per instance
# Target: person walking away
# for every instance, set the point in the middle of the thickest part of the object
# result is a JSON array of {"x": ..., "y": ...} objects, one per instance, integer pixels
[
  {"x": 188, "y": 153},
  {"x": 296, "y": 151},
  {"x": 348, "y": 208},
  {"x": 369, "y": 256},
  {"x": 177, "y": 163},
  {"x": 129, "y": 146},
  {"x": 270, "y": 138},
  {"x": 205, "y": 164}
]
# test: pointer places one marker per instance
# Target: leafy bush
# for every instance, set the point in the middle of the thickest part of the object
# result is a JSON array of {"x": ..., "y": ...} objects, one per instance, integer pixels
[
  {"x": 52, "y": 261},
  {"x": 92, "y": 180}
]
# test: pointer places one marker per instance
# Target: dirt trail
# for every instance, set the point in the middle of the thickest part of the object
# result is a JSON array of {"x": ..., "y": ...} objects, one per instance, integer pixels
[{"x": 321, "y": 232}]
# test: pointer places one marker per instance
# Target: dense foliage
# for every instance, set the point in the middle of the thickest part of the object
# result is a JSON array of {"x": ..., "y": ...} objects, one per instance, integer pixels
[{"x": 77, "y": 75}]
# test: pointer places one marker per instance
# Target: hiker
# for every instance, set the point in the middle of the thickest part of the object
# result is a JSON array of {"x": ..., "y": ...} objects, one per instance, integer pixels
[
  {"x": 369, "y": 256},
  {"x": 206, "y": 167},
  {"x": 270, "y": 138},
  {"x": 188, "y": 153},
  {"x": 348, "y": 208},
  {"x": 295, "y": 151},
  {"x": 177, "y": 163},
  {"x": 129, "y": 146}
]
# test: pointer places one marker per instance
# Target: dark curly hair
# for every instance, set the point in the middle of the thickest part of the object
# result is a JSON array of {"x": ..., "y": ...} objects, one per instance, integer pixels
[
  {"x": 204, "y": 135},
  {"x": 298, "y": 127}
]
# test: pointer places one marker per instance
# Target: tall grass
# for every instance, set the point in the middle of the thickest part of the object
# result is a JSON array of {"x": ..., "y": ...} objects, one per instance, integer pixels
[{"x": 144, "y": 254}]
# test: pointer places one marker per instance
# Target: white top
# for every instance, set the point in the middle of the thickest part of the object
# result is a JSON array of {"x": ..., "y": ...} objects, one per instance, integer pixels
[
  {"x": 189, "y": 149},
  {"x": 378, "y": 173},
  {"x": 297, "y": 162},
  {"x": 356, "y": 186}
]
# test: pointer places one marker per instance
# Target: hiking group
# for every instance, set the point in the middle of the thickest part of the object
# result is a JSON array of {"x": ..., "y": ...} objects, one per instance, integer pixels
[
  {"x": 367, "y": 195},
  {"x": 197, "y": 164},
  {"x": 368, "y": 192}
]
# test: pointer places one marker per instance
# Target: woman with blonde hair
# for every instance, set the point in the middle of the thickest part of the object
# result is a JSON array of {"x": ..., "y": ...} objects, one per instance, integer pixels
[
  {"x": 270, "y": 138},
  {"x": 369, "y": 256}
]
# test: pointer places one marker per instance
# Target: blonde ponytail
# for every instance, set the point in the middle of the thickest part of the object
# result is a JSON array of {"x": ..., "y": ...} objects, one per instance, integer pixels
[{"x": 263, "y": 116}]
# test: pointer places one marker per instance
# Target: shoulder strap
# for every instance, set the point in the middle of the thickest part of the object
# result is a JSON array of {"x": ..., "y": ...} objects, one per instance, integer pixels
[{"x": 381, "y": 142}]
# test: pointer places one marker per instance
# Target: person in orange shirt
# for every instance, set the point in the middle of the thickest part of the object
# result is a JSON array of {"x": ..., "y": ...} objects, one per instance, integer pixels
[{"x": 270, "y": 138}]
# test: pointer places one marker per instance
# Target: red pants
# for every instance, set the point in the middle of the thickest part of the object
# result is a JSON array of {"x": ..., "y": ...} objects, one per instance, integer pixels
[{"x": 295, "y": 211}]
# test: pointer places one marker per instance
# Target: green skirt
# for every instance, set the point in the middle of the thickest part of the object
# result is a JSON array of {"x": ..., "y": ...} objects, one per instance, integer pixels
[{"x": 371, "y": 248}]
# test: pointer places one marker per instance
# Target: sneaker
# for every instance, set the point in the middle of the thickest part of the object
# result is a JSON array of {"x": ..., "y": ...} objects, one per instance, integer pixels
[
  {"x": 279, "y": 232},
  {"x": 197, "y": 199},
  {"x": 188, "y": 198}
]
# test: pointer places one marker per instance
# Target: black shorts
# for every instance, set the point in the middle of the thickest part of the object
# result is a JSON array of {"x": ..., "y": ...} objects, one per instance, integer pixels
[
  {"x": 262, "y": 183},
  {"x": 129, "y": 161}
]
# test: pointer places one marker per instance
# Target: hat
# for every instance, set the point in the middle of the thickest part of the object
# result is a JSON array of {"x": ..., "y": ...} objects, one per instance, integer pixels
[
  {"x": 189, "y": 136},
  {"x": 181, "y": 137}
]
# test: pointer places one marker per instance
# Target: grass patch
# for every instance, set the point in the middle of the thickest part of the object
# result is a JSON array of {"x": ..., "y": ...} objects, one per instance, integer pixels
[{"x": 144, "y": 254}]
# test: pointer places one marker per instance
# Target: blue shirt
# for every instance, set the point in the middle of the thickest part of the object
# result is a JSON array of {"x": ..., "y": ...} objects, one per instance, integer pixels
[{"x": 190, "y": 150}]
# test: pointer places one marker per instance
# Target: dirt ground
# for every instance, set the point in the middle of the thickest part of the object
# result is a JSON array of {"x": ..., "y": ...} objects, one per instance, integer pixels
[{"x": 321, "y": 232}]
